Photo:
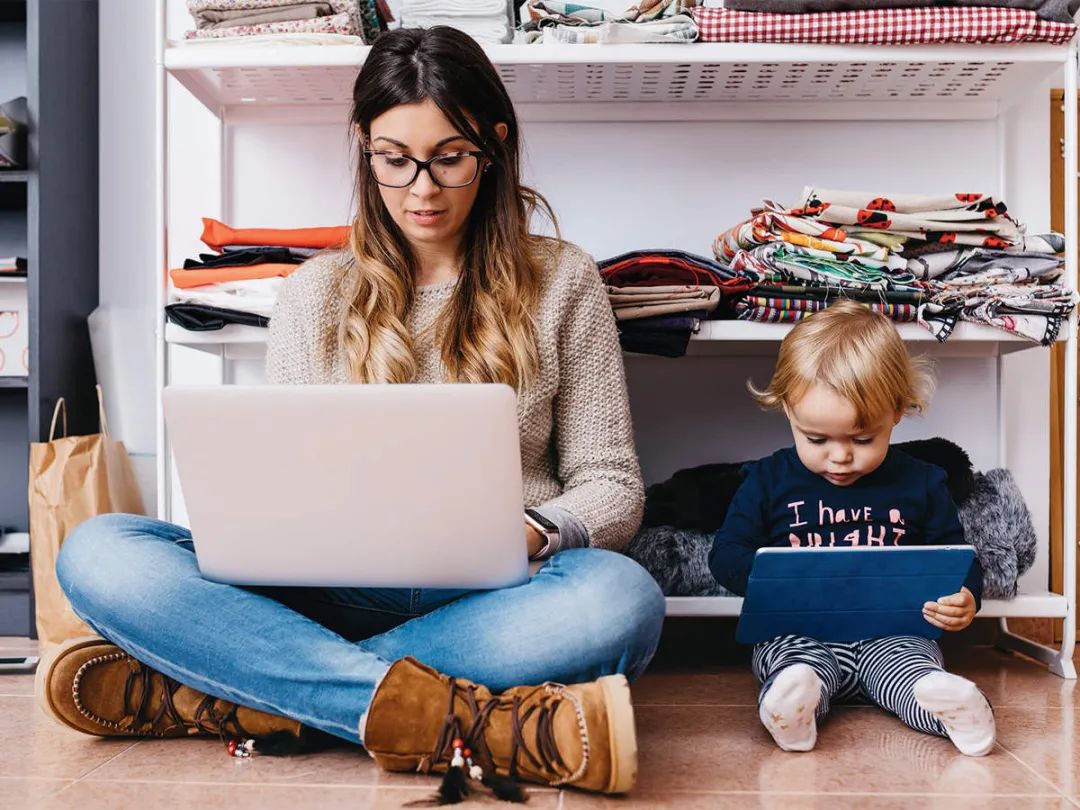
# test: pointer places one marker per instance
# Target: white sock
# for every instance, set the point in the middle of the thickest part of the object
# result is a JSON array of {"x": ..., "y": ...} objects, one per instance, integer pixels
[
  {"x": 788, "y": 710},
  {"x": 961, "y": 708}
]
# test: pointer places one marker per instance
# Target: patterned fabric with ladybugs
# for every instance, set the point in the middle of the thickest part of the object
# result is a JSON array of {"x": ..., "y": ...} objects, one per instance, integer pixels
[
  {"x": 936, "y": 259},
  {"x": 961, "y": 219}
]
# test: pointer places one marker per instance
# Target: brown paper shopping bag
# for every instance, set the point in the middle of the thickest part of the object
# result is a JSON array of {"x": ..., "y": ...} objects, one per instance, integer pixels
[{"x": 72, "y": 478}]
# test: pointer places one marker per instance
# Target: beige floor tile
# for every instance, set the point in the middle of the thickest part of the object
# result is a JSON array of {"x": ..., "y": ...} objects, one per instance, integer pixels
[
  {"x": 1047, "y": 739},
  {"x": 731, "y": 686},
  {"x": 1009, "y": 680},
  {"x": 17, "y": 794},
  {"x": 16, "y": 685},
  {"x": 205, "y": 761},
  {"x": 18, "y": 643},
  {"x": 798, "y": 801},
  {"x": 32, "y": 745},
  {"x": 98, "y": 795},
  {"x": 860, "y": 750}
]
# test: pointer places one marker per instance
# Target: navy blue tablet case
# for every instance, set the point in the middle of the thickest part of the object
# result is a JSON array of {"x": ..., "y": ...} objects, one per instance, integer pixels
[{"x": 848, "y": 594}]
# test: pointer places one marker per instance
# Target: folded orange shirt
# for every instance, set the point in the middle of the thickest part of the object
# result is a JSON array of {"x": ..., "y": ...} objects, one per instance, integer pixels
[
  {"x": 183, "y": 279},
  {"x": 217, "y": 235}
]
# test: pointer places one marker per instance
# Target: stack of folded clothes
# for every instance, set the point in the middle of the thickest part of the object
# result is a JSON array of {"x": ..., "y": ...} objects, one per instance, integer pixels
[
  {"x": 936, "y": 260},
  {"x": 607, "y": 21},
  {"x": 11, "y": 266},
  {"x": 888, "y": 22},
  {"x": 1012, "y": 289},
  {"x": 660, "y": 297},
  {"x": 239, "y": 283},
  {"x": 220, "y": 19},
  {"x": 13, "y": 118},
  {"x": 486, "y": 21}
]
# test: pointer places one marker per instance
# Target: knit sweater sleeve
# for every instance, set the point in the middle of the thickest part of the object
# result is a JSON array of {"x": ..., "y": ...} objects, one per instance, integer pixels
[
  {"x": 292, "y": 350},
  {"x": 593, "y": 435}
]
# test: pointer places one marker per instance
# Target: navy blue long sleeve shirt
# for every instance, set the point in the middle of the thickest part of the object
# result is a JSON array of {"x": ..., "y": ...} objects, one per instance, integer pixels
[{"x": 904, "y": 502}]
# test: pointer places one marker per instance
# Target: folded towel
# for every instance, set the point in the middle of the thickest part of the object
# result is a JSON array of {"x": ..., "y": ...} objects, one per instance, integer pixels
[
  {"x": 445, "y": 9},
  {"x": 224, "y": 18}
]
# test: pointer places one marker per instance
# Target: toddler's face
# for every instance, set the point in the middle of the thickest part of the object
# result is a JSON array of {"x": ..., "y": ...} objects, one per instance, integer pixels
[{"x": 828, "y": 441}]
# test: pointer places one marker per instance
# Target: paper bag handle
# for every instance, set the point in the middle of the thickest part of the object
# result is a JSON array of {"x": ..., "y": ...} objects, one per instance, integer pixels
[
  {"x": 101, "y": 411},
  {"x": 60, "y": 406}
]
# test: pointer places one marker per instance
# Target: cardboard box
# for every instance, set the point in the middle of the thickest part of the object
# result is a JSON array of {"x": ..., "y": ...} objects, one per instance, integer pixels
[{"x": 14, "y": 328}]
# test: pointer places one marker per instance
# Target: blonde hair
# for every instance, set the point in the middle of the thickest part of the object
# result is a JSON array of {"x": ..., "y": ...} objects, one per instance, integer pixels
[{"x": 858, "y": 354}]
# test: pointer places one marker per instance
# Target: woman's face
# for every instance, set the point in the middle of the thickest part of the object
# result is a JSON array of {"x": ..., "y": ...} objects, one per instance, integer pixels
[{"x": 429, "y": 215}]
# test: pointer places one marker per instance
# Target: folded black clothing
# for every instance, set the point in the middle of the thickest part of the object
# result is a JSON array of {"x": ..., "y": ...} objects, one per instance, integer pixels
[
  {"x": 658, "y": 342},
  {"x": 1056, "y": 10},
  {"x": 680, "y": 322},
  {"x": 661, "y": 335},
  {"x": 301, "y": 254},
  {"x": 699, "y": 497},
  {"x": 200, "y": 318},
  {"x": 244, "y": 258}
]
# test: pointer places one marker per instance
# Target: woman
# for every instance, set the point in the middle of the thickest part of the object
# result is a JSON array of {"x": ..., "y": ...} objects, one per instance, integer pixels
[{"x": 441, "y": 282}]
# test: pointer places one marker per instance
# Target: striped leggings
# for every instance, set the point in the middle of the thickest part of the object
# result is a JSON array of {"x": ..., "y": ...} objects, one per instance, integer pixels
[{"x": 882, "y": 671}]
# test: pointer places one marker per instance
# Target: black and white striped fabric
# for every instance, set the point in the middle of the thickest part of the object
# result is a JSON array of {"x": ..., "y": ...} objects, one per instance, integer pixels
[{"x": 882, "y": 671}]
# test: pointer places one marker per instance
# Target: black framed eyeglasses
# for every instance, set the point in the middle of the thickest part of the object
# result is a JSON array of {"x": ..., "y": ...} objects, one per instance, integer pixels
[{"x": 449, "y": 170}]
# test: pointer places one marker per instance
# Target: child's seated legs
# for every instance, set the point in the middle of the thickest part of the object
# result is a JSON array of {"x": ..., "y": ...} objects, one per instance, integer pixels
[
  {"x": 798, "y": 677},
  {"x": 905, "y": 675}
]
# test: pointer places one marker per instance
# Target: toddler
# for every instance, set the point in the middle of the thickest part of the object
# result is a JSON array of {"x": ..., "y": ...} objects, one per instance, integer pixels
[{"x": 844, "y": 380}]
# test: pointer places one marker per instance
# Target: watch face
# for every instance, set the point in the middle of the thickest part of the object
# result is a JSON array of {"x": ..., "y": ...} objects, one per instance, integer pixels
[{"x": 543, "y": 521}]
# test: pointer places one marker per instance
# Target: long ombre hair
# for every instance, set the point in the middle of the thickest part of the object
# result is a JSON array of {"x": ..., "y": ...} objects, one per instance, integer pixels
[{"x": 486, "y": 333}]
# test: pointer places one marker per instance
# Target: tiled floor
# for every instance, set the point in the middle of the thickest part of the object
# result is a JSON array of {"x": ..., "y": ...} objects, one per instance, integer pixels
[{"x": 700, "y": 741}]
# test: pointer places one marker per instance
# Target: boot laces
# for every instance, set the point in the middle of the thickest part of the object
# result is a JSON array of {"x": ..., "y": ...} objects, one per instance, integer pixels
[
  {"x": 138, "y": 717},
  {"x": 206, "y": 717},
  {"x": 543, "y": 755}
]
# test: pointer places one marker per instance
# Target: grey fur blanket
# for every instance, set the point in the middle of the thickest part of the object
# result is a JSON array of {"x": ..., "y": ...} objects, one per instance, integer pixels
[{"x": 995, "y": 517}]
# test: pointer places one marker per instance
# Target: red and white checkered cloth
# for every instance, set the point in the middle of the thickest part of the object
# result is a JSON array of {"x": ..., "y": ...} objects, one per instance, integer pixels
[{"x": 885, "y": 26}]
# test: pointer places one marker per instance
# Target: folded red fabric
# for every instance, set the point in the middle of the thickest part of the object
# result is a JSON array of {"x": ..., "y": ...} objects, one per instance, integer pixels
[
  {"x": 184, "y": 279},
  {"x": 217, "y": 235}
]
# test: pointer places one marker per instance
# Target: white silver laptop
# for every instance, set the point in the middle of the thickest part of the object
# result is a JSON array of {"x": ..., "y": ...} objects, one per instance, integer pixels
[{"x": 352, "y": 485}]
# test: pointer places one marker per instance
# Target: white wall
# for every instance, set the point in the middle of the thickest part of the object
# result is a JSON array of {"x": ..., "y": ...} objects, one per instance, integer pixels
[
  {"x": 615, "y": 188},
  {"x": 123, "y": 337}
]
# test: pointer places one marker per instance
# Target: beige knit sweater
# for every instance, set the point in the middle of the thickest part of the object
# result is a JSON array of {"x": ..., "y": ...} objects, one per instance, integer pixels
[{"x": 577, "y": 444}]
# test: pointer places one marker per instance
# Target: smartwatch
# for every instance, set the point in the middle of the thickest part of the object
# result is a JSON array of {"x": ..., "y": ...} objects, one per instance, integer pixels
[{"x": 546, "y": 528}]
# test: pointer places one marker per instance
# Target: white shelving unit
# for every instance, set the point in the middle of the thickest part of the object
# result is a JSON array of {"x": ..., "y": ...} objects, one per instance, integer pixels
[{"x": 686, "y": 84}]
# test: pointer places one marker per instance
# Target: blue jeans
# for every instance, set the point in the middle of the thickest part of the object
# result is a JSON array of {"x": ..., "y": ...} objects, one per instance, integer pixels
[{"x": 317, "y": 654}]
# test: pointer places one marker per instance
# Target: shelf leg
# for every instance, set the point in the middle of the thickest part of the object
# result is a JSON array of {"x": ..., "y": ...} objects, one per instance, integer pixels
[
  {"x": 1064, "y": 663},
  {"x": 1059, "y": 662}
]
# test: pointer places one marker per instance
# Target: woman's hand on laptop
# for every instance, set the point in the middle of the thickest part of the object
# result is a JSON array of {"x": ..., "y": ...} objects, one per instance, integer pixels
[{"x": 951, "y": 612}]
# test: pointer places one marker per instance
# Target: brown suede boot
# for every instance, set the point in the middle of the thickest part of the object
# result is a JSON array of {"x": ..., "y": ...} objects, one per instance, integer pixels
[
  {"x": 95, "y": 687},
  {"x": 581, "y": 735}
]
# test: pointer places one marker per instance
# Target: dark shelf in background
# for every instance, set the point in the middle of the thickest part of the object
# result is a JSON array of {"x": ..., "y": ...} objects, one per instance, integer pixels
[
  {"x": 13, "y": 176},
  {"x": 12, "y": 11},
  {"x": 12, "y": 196},
  {"x": 17, "y": 579},
  {"x": 14, "y": 382}
]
